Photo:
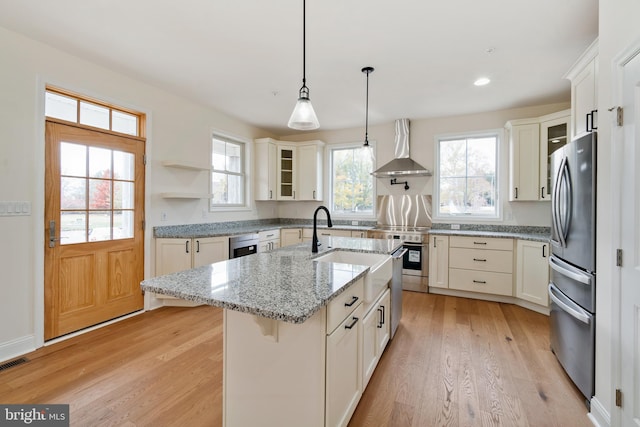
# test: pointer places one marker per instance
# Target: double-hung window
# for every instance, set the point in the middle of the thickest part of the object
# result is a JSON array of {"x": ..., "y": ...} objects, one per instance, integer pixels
[
  {"x": 352, "y": 190},
  {"x": 467, "y": 176},
  {"x": 228, "y": 177}
]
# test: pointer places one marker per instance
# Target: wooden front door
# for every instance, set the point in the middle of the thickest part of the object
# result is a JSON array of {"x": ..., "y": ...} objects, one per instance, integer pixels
[{"x": 94, "y": 238}]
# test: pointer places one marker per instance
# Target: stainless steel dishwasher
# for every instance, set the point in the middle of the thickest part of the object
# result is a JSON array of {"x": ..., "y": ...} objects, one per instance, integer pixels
[{"x": 396, "y": 288}]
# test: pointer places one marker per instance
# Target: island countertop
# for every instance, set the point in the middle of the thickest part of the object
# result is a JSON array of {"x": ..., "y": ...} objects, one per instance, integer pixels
[{"x": 285, "y": 284}]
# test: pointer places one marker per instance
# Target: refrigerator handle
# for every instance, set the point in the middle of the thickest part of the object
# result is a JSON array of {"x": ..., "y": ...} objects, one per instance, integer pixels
[
  {"x": 555, "y": 206},
  {"x": 568, "y": 210},
  {"x": 575, "y": 312},
  {"x": 568, "y": 273}
]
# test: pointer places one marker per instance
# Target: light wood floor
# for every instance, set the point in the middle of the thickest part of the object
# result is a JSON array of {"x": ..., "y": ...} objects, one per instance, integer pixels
[{"x": 453, "y": 361}]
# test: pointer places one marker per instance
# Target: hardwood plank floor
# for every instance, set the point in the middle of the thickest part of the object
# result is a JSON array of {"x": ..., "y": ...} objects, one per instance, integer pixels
[{"x": 453, "y": 362}]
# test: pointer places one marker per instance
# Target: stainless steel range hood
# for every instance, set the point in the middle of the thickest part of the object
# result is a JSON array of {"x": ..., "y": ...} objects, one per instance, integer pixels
[{"x": 402, "y": 164}]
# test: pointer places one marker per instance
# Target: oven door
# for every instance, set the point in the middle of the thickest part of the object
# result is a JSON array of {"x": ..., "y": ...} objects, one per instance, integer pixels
[{"x": 415, "y": 259}]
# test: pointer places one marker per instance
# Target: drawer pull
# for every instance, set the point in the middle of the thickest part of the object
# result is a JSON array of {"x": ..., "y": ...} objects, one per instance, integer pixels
[
  {"x": 479, "y": 243},
  {"x": 480, "y": 281},
  {"x": 353, "y": 301},
  {"x": 355, "y": 320},
  {"x": 480, "y": 259}
]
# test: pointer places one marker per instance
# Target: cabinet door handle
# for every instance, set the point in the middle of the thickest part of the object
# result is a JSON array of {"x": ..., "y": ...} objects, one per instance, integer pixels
[
  {"x": 516, "y": 192},
  {"x": 270, "y": 194},
  {"x": 542, "y": 193},
  {"x": 434, "y": 241},
  {"x": 480, "y": 281},
  {"x": 587, "y": 128},
  {"x": 479, "y": 243},
  {"x": 197, "y": 246},
  {"x": 299, "y": 234},
  {"x": 353, "y": 301},
  {"x": 543, "y": 254},
  {"x": 355, "y": 320},
  {"x": 186, "y": 246},
  {"x": 480, "y": 259},
  {"x": 294, "y": 194},
  {"x": 380, "y": 317},
  {"x": 314, "y": 194},
  {"x": 594, "y": 119}
]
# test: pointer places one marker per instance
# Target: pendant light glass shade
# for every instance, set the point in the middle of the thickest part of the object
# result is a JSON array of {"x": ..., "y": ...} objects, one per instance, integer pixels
[{"x": 303, "y": 116}]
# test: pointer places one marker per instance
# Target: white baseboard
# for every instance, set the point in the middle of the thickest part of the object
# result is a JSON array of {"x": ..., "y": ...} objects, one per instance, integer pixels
[
  {"x": 17, "y": 347},
  {"x": 599, "y": 416}
]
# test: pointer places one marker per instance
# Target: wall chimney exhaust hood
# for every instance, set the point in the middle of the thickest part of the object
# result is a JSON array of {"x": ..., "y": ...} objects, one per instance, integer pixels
[{"x": 402, "y": 165}]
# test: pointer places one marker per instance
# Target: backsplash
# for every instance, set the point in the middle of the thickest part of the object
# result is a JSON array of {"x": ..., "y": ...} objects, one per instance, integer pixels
[{"x": 495, "y": 228}]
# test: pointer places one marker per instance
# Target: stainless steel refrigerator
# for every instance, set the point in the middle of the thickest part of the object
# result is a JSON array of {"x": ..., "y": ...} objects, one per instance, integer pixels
[{"x": 572, "y": 289}]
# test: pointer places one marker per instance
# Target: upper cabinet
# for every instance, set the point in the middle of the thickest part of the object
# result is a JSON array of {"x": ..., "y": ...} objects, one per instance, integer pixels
[
  {"x": 288, "y": 171},
  {"x": 584, "y": 93},
  {"x": 531, "y": 142}
]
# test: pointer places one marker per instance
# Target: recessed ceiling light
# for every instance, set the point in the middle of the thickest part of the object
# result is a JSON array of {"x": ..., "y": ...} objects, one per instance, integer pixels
[{"x": 482, "y": 81}]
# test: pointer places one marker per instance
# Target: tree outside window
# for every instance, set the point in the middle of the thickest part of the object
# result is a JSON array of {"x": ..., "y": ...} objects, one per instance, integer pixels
[
  {"x": 352, "y": 189},
  {"x": 467, "y": 176}
]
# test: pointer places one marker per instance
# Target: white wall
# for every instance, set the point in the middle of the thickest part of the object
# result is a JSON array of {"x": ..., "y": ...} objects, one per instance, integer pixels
[
  {"x": 618, "y": 29},
  {"x": 422, "y": 143},
  {"x": 178, "y": 129}
]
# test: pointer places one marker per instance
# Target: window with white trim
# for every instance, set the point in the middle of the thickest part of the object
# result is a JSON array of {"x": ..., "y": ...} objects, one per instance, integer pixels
[
  {"x": 467, "y": 176},
  {"x": 228, "y": 177},
  {"x": 351, "y": 185}
]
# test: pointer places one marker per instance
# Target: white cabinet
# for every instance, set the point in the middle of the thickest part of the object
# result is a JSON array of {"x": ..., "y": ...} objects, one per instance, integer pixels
[
  {"x": 376, "y": 330},
  {"x": 439, "y": 261},
  {"x": 344, "y": 372},
  {"x": 174, "y": 255},
  {"x": 524, "y": 147},
  {"x": 288, "y": 171},
  {"x": 290, "y": 236},
  {"x": 584, "y": 91},
  {"x": 531, "y": 142},
  {"x": 268, "y": 240},
  {"x": 480, "y": 264},
  {"x": 310, "y": 171},
  {"x": 307, "y": 233},
  {"x": 532, "y": 271},
  {"x": 266, "y": 174}
]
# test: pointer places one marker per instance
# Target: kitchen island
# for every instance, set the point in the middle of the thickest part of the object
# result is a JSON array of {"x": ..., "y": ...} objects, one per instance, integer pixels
[{"x": 293, "y": 335}]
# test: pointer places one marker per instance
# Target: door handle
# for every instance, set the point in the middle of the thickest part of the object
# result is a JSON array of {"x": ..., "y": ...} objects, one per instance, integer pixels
[
  {"x": 573, "y": 312},
  {"x": 52, "y": 234},
  {"x": 353, "y": 301},
  {"x": 565, "y": 271}
]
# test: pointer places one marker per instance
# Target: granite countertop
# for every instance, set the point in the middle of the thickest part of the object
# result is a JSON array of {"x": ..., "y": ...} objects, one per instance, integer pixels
[
  {"x": 522, "y": 235},
  {"x": 211, "y": 230},
  {"x": 285, "y": 284}
]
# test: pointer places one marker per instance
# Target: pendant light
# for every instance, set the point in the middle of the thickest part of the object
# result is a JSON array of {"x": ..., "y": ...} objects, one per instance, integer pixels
[
  {"x": 367, "y": 71},
  {"x": 303, "y": 116}
]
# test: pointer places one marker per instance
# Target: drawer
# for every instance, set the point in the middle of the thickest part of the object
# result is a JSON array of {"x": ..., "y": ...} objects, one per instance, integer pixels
[
  {"x": 481, "y": 281},
  {"x": 487, "y": 260},
  {"x": 269, "y": 235},
  {"x": 496, "y": 243},
  {"x": 344, "y": 304}
]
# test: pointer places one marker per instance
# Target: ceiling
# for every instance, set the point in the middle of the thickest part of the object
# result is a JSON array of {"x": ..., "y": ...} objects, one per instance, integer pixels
[{"x": 244, "y": 57}]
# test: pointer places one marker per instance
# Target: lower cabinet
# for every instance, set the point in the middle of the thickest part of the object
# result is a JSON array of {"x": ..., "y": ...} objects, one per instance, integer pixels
[
  {"x": 344, "y": 372},
  {"x": 268, "y": 240},
  {"x": 174, "y": 254},
  {"x": 439, "y": 261},
  {"x": 290, "y": 236},
  {"x": 532, "y": 272},
  {"x": 376, "y": 333},
  {"x": 307, "y": 233}
]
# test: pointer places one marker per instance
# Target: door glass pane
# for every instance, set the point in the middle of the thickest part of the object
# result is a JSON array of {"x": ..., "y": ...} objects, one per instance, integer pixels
[
  {"x": 99, "y": 226},
  {"x": 73, "y": 227},
  {"x": 73, "y": 194},
  {"x": 123, "y": 193},
  {"x": 60, "y": 107},
  {"x": 123, "y": 165},
  {"x": 122, "y": 224},
  {"x": 99, "y": 162},
  {"x": 73, "y": 159},
  {"x": 99, "y": 194},
  {"x": 123, "y": 122},
  {"x": 94, "y": 115}
]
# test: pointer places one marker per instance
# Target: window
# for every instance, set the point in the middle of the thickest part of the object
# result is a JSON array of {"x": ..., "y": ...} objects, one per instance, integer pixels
[
  {"x": 227, "y": 173},
  {"x": 63, "y": 105},
  {"x": 352, "y": 186},
  {"x": 466, "y": 179}
]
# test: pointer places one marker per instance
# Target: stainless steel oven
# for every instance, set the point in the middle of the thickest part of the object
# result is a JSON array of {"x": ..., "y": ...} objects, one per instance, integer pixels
[
  {"x": 244, "y": 245},
  {"x": 416, "y": 259}
]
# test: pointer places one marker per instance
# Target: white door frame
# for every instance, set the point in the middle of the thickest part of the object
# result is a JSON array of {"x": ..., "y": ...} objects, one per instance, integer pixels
[{"x": 617, "y": 139}]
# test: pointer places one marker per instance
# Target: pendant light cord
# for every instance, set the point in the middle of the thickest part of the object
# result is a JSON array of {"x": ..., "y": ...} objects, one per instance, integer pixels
[
  {"x": 367, "y": 71},
  {"x": 304, "y": 45}
]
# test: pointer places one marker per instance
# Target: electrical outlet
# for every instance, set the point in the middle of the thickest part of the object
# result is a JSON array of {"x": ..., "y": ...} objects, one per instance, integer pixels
[
  {"x": 354, "y": 222},
  {"x": 455, "y": 226}
]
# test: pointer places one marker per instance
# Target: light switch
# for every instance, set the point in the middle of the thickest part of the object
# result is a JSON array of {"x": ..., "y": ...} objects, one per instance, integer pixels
[{"x": 13, "y": 208}]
